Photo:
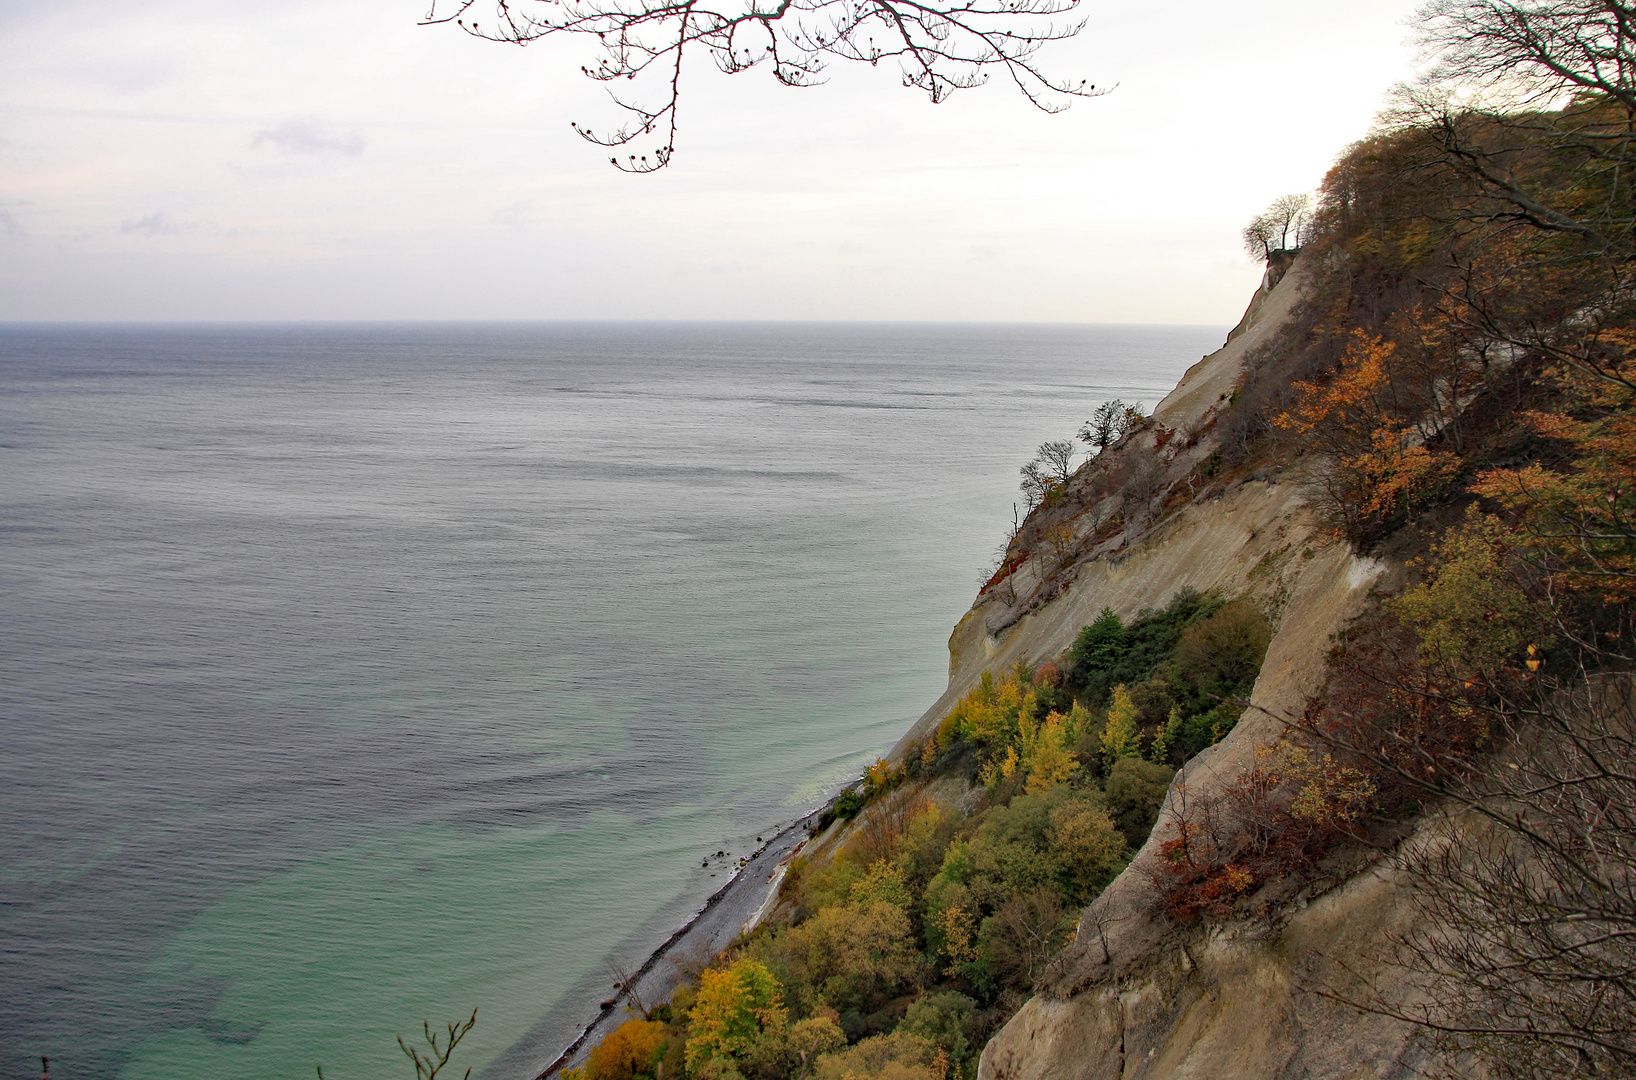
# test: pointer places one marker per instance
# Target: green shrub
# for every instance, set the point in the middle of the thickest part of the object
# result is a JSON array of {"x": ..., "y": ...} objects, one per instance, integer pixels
[
  {"x": 1102, "y": 658},
  {"x": 898, "y": 1056},
  {"x": 847, "y": 956},
  {"x": 1136, "y": 789},
  {"x": 1223, "y": 653},
  {"x": 947, "y": 1020}
]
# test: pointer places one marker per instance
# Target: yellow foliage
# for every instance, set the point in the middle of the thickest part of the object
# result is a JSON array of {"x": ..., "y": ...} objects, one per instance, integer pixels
[
  {"x": 630, "y": 1051},
  {"x": 1002, "y": 768},
  {"x": 1119, "y": 735},
  {"x": 1159, "y": 751},
  {"x": 1377, "y": 463},
  {"x": 1582, "y": 514},
  {"x": 880, "y": 775},
  {"x": 898, "y": 1056},
  {"x": 959, "y": 929},
  {"x": 734, "y": 1008},
  {"x": 847, "y": 955},
  {"x": 818, "y": 1034},
  {"x": 1329, "y": 794},
  {"x": 1471, "y": 615},
  {"x": 1085, "y": 842},
  {"x": 883, "y": 881},
  {"x": 994, "y": 712}
]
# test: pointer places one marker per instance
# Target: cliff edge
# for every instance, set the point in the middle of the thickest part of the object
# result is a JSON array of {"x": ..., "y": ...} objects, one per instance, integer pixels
[{"x": 1130, "y": 997}]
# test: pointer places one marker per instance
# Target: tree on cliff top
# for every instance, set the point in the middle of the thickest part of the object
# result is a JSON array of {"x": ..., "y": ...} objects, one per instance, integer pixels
[
  {"x": 941, "y": 46},
  {"x": 1280, "y": 227}
]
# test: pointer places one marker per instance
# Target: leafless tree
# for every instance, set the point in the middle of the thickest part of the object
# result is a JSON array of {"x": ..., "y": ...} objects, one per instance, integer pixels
[
  {"x": 1280, "y": 227},
  {"x": 429, "y": 1064},
  {"x": 1027, "y": 931},
  {"x": 626, "y": 982},
  {"x": 1006, "y": 589},
  {"x": 881, "y": 826},
  {"x": 1098, "y": 919},
  {"x": 1500, "y": 67},
  {"x": 1534, "y": 52},
  {"x": 1060, "y": 543},
  {"x": 1105, "y": 426},
  {"x": 1051, "y": 467},
  {"x": 1057, "y": 460},
  {"x": 940, "y": 45},
  {"x": 1524, "y": 940},
  {"x": 693, "y": 963},
  {"x": 1036, "y": 482},
  {"x": 1141, "y": 486}
]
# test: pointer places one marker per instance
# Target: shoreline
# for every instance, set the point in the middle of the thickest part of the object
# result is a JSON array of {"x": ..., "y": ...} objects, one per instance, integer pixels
[{"x": 710, "y": 929}]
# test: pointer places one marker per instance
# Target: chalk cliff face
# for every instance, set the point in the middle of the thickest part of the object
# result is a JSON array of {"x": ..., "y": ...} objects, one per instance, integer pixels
[{"x": 1131, "y": 998}]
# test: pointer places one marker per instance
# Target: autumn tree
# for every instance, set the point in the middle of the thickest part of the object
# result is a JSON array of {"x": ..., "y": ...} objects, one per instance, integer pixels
[
  {"x": 895, "y": 1056},
  {"x": 735, "y": 1009},
  {"x": 1372, "y": 464},
  {"x": 849, "y": 955},
  {"x": 1120, "y": 735},
  {"x": 940, "y": 47},
  {"x": 629, "y": 1052}
]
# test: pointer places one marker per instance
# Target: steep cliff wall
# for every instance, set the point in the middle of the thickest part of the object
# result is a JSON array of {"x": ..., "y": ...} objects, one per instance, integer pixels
[
  {"x": 1251, "y": 539},
  {"x": 1130, "y": 998}
]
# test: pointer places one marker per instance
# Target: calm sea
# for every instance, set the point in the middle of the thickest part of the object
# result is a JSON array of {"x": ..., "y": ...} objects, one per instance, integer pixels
[{"x": 355, "y": 675}]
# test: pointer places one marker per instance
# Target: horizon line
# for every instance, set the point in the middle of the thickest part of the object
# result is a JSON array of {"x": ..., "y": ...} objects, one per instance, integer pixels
[{"x": 19, "y": 323}]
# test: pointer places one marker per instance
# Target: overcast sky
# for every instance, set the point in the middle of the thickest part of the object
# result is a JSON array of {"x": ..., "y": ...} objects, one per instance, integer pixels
[{"x": 330, "y": 159}]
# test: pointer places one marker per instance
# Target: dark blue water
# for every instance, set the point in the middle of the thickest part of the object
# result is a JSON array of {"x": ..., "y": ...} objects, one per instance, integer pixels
[{"x": 356, "y": 675}]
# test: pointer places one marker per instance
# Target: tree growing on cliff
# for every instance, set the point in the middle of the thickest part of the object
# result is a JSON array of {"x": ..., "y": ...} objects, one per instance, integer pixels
[
  {"x": 1109, "y": 423},
  {"x": 940, "y": 45},
  {"x": 1280, "y": 227},
  {"x": 1049, "y": 469}
]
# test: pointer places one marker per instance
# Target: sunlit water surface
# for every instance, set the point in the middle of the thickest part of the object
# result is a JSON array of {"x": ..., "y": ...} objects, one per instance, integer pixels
[{"x": 351, "y": 676}]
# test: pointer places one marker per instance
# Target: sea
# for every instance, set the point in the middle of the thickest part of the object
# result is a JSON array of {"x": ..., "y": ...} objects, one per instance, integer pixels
[{"x": 356, "y": 676}]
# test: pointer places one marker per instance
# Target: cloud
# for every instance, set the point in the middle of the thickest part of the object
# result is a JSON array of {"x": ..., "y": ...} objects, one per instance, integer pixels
[
  {"x": 9, "y": 225},
  {"x": 310, "y": 137},
  {"x": 152, "y": 225}
]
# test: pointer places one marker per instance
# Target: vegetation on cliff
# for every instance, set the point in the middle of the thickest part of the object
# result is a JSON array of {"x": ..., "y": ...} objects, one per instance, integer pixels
[
  {"x": 1458, "y": 390},
  {"x": 1455, "y": 395},
  {"x": 963, "y": 869}
]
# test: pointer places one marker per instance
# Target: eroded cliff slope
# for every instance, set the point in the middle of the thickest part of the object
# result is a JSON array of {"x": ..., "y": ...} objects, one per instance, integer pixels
[{"x": 1131, "y": 997}]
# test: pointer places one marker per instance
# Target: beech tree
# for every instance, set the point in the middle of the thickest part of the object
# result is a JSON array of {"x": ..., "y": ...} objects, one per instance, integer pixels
[{"x": 940, "y": 46}]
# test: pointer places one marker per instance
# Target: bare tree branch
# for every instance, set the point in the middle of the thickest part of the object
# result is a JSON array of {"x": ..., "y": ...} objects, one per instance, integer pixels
[{"x": 940, "y": 45}]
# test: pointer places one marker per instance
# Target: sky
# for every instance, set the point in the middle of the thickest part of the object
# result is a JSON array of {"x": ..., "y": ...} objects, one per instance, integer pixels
[{"x": 333, "y": 159}]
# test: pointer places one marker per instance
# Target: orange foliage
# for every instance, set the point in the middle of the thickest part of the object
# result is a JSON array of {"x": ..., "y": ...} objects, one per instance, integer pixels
[
  {"x": 1378, "y": 465},
  {"x": 630, "y": 1051},
  {"x": 1584, "y": 513}
]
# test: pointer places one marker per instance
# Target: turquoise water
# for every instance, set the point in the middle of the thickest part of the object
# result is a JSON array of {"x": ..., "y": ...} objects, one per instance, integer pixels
[{"x": 358, "y": 675}]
